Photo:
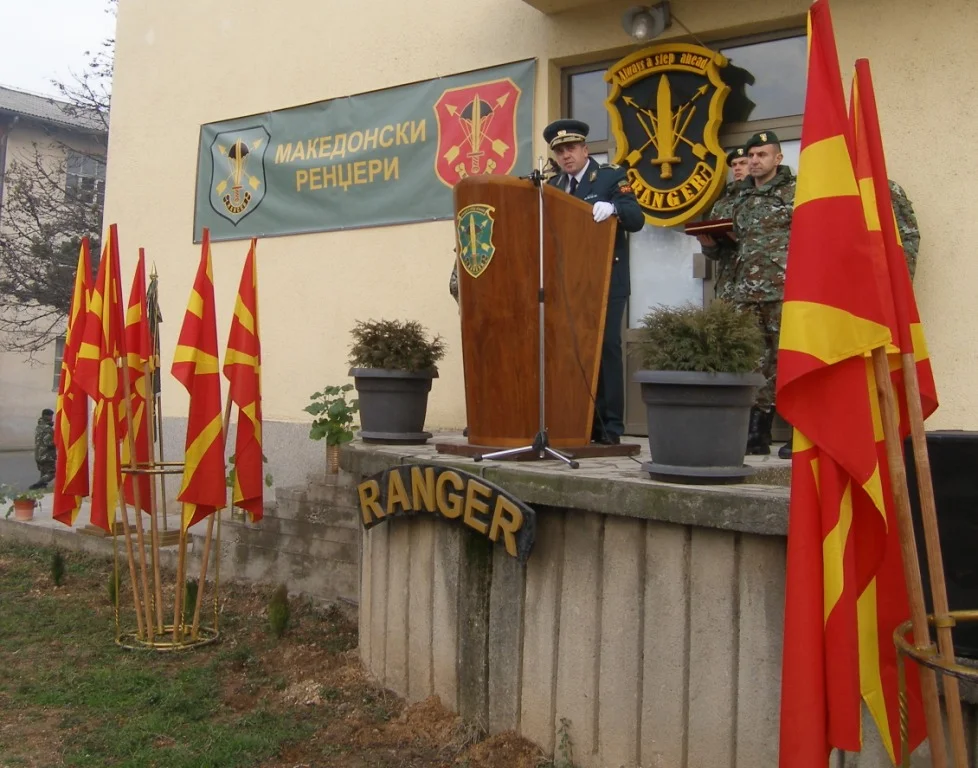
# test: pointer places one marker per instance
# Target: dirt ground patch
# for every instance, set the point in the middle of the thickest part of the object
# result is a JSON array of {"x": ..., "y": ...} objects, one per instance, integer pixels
[{"x": 70, "y": 697}]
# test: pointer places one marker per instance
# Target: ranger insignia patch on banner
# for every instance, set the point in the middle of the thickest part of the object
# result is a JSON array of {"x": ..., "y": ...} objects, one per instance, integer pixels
[
  {"x": 666, "y": 106},
  {"x": 476, "y": 130},
  {"x": 238, "y": 172}
]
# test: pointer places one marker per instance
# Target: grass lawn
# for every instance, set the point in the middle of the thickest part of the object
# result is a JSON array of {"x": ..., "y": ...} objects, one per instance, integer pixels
[{"x": 70, "y": 697}]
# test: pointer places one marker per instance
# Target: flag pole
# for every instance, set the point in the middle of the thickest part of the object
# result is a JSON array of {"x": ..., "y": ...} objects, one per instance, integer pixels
[
  {"x": 209, "y": 537},
  {"x": 935, "y": 560},
  {"x": 911, "y": 566},
  {"x": 132, "y": 564},
  {"x": 181, "y": 567},
  {"x": 153, "y": 506},
  {"x": 137, "y": 502}
]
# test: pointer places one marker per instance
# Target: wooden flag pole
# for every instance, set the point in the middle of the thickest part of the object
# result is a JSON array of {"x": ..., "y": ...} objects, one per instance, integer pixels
[
  {"x": 181, "y": 566},
  {"x": 935, "y": 560},
  {"x": 153, "y": 505},
  {"x": 911, "y": 566},
  {"x": 137, "y": 502},
  {"x": 132, "y": 565},
  {"x": 209, "y": 537}
]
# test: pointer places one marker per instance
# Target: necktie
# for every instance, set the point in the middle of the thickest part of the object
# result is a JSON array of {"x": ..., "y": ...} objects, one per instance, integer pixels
[{"x": 573, "y": 186}]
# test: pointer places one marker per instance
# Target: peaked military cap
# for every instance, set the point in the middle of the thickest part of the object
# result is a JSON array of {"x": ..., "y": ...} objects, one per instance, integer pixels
[
  {"x": 734, "y": 153},
  {"x": 565, "y": 131},
  {"x": 762, "y": 138}
]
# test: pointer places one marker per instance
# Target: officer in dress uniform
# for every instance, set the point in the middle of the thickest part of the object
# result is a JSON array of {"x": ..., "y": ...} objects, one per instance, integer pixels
[{"x": 607, "y": 188}]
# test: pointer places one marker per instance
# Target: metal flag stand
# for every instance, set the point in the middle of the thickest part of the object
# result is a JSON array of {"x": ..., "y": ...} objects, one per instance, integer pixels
[{"x": 541, "y": 442}]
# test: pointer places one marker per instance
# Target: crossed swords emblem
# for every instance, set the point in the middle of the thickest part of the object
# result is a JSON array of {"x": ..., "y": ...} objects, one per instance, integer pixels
[
  {"x": 237, "y": 160},
  {"x": 474, "y": 244},
  {"x": 475, "y": 119},
  {"x": 665, "y": 129}
]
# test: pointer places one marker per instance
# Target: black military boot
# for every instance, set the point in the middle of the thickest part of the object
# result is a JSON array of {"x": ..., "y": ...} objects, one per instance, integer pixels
[
  {"x": 759, "y": 432},
  {"x": 784, "y": 452}
]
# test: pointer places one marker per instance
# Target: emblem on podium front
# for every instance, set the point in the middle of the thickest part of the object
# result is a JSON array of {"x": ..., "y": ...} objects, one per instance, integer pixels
[
  {"x": 473, "y": 228},
  {"x": 666, "y": 107}
]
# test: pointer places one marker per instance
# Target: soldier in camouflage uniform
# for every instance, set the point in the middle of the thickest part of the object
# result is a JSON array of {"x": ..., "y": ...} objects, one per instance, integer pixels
[
  {"x": 906, "y": 225},
  {"x": 762, "y": 214},
  {"x": 44, "y": 452},
  {"x": 724, "y": 251}
]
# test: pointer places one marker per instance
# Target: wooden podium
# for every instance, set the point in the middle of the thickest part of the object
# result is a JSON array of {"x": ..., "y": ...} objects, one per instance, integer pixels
[{"x": 501, "y": 311}]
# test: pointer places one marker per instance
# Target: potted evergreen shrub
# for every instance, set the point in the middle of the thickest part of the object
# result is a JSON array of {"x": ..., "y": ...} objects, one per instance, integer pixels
[
  {"x": 333, "y": 422},
  {"x": 698, "y": 384},
  {"x": 393, "y": 365}
]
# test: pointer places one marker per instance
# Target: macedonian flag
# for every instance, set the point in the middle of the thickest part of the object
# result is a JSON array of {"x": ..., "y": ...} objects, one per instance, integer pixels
[
  {"x": 835, "y": 314},
  {"x": 97, "y": 373},
  {"x": 195, "y": 365},
  {"x": 139, "y": 354},
  {"x": 242, "y": 367},
  {"x": 885, "y": 606},
  {"x": 71, "y": 412}
]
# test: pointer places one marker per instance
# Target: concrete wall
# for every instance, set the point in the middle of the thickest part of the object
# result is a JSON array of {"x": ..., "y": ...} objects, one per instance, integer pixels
[
  {"x": 189, "y": 62},
  {"x": 659, "y": 643}
]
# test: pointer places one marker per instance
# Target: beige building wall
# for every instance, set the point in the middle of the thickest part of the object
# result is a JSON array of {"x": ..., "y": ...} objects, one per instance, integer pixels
[{"x": 188, "y": 62}]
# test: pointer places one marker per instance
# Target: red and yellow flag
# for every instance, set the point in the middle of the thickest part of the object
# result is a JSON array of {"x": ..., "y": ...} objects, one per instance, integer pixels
[
  {"x": 139, "y": 352},
  {"x": 71, "y": 412},
  {"x": 870, "y": 162},
  {"x": 97, "y": 373},
  {"x": 833, "y": 316},
  {"x": 195, "y": 365},
  {"x": 885, "y": 605},
  {"x": 242, "y": 367}
]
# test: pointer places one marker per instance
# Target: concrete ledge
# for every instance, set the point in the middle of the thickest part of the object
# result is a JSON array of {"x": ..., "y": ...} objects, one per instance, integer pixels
[{"x": 610, "y": 486}]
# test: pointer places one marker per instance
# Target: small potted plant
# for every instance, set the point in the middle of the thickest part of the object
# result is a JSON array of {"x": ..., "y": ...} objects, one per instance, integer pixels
[
  {"x": 22, "y": 503},
  {"x": 333, "y": 422},
  {"x": 698, "y": 384},
  {"x": 393, "y": 365}
]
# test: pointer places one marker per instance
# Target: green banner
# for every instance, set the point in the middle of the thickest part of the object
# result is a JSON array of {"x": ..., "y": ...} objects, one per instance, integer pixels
[{"x": 378, "y": 158}]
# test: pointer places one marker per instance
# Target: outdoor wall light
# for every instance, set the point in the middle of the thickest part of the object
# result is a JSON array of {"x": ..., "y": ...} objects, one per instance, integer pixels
[{"x": 645, "y": 22}]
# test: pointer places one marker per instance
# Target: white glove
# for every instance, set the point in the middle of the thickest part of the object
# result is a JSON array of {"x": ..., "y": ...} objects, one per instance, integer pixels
[{"x": 602, "y": 211}]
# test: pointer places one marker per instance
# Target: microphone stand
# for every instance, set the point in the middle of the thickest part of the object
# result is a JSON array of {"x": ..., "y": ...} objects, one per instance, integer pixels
[{"x": 541, "y": 442}]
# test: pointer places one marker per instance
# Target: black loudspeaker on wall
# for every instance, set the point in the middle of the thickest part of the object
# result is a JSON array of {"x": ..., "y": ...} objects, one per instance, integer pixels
[{"x": 954, "y": 468}]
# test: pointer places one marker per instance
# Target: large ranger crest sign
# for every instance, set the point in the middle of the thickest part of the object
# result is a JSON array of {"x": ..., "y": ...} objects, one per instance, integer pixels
[
  {"x": 666, "y": 105},
  {"x": 476, "y": 130}
]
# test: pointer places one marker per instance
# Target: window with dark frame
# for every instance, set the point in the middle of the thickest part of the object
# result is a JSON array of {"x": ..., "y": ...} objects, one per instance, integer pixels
[
  {"x": 59, "y": 353},
  {"x": 85, "y": 177}
]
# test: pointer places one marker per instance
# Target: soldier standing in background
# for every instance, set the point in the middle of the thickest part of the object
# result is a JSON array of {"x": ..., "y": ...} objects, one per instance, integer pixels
[
  {"x": 906, "y": 223},
  {"x": 762, "y": 214},
  {"x": 45, "y": 455},
  {"x": 724, "y": 251}
]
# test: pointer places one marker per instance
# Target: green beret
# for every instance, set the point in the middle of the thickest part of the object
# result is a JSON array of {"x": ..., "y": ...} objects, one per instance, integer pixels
[
  {"x": 734, "y": 153},
  {"x": 761, "y": 139},
  {"x": 565, "y": 131}
]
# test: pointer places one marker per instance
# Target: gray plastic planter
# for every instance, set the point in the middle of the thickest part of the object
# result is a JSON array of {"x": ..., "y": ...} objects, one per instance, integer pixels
[
  {"x": 393, "y": 404},
  {"x": 698, "y": 424}
]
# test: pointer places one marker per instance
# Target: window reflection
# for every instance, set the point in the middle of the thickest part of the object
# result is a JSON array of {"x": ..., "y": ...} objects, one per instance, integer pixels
[
  {"x": 766, "y": 80},
  {"x": 588, "y": 91}
]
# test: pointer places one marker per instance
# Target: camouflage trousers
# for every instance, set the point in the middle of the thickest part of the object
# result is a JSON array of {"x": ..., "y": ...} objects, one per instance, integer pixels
[{"x": 768, "y": 314}]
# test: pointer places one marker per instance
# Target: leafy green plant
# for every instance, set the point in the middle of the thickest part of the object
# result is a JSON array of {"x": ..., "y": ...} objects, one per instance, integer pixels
[
  {"x": 334, "y": 415},
  {"x": 394, "y": 345},
  {"x": 279, "y": 611},
  {"x": 190, "y": 600},
  {"x": 8, "y": 495},
  {"x": 718, "y": 338},
  {"x": 57, "y": 567},
  {"x": 229, "y": 480},
  {"x": 565, "y": 750}
]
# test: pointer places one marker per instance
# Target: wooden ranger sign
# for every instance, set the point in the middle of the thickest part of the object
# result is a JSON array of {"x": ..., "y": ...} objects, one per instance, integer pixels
[{"x": 451, "y": 495}]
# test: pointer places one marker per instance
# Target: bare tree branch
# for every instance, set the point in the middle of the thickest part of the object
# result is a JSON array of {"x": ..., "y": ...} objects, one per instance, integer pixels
[{"x": 46, "y": 214}]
